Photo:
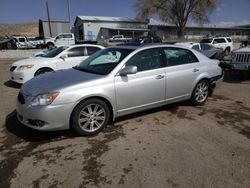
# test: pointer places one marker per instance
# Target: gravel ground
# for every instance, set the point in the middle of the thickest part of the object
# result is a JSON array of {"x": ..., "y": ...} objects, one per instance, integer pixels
[
  {"x": 173, "y": 146},
  {"x": 14, "y": 54}
]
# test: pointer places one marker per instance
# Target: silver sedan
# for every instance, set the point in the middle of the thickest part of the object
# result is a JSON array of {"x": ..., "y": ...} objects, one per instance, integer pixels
[{"x": 114, "y": 82}]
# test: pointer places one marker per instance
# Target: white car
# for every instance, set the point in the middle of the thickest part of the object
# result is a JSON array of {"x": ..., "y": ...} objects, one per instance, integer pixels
[
  {"x": 59, "y": 58},
  {"x": 226, "y": 43}
]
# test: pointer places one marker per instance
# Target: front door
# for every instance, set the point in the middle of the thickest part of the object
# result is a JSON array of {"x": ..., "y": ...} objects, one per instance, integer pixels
[
  {"x": 146, "y": 88},
  {"x": 74, "y": 57}
]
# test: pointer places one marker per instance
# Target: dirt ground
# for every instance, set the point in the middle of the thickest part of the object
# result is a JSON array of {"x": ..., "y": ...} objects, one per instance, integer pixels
[{"x": 173, "y": 146}]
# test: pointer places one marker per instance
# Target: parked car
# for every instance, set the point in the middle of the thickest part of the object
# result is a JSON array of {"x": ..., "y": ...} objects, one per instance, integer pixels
[
  {"x": 240, "y": 60},
  {"x": 22, "y": 42},
  {"x": 205, "y": 48},
  {"x": 58, "y": 58},
  {"x": 226, "y": 43},
  {"x": 119, "y": 38},
  {"x": 8, "y": 44},
  {"x": 114, "y": 82},
  {"x": 65, "y": 39}
]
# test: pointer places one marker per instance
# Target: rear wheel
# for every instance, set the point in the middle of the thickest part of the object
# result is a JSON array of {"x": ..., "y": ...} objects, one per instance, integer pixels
[
  {"x": 43, "y": 71},
  {"x": 200, "y": 93},
  {"x": 90, "y": 117}
]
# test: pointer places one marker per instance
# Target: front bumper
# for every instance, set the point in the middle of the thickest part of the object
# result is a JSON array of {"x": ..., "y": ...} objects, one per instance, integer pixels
[
  {"x": 20, "y": 77},
  {"x": 239, "y": 66},
  {"x": 45, "y": 118}
]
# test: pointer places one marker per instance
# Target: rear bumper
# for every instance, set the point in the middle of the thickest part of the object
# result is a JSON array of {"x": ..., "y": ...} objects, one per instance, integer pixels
[{"x": 215, "y": 82}]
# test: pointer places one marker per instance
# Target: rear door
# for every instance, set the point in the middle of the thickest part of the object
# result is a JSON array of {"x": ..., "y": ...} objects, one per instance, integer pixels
[
  {"x": 181, "y": 72},
  {"x": 144, "y": 89}
]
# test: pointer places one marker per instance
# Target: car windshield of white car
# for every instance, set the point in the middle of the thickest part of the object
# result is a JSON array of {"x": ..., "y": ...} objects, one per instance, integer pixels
[
  {"x": 104, "y": 61},
  {"x": 54, "y": 52}
]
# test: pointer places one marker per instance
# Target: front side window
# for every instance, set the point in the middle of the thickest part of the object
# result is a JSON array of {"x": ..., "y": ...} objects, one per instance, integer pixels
[
  {"x": 21, "y": 39},
  {"x": 146, "y": 60},
  {"x": 229, "y": 40},
  {"x": 76, "y": 52},
  {"x": 179, "y": 56},
  {"x": 220, "y": 40},
  {"x": 104, "y": 61}
]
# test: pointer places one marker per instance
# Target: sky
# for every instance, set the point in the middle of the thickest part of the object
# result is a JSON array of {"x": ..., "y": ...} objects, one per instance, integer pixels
[{"x": 228, "y": 13}]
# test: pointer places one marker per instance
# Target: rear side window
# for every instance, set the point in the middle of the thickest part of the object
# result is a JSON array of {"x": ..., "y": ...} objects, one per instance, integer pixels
[
  {"x": 220, "y": 40},
  {"x": 92, "y": 50},
  {"x": 76, "y": 52},
  {"x": 146, "y": 60},
  {"x": 179, "y": 56}
]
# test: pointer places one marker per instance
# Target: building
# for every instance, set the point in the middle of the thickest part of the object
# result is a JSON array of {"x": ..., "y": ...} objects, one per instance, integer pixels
[
  {"x": 99, "y": 27},
  {"x": 57, "y": 27},
  {"x": 169, "y": 32}
]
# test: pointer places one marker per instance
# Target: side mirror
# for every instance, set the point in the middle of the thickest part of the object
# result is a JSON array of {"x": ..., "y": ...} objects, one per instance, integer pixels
[
  {"x": 64, "y": 56},
  {"x": 128, "y": 70}
]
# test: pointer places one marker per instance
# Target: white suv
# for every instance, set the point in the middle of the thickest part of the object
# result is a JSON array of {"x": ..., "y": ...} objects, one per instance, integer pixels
[{"x": 226, "y": 43}]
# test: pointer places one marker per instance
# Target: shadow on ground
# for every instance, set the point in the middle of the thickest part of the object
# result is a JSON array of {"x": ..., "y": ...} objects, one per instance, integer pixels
[
  {"x": 236, "y": 76},
  {"x": 15, "y": 127},
  {"x": 12, "y": 84}
]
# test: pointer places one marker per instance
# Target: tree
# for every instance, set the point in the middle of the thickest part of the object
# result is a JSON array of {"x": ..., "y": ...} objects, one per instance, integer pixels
[{"x": 178, "y": 12}]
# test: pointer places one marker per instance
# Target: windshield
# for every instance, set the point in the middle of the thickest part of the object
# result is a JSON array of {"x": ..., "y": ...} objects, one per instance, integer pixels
[
  {"x": 206, "y": 41},
  {"x": 54, "y": 52},
  {"x": 103, "y": 61}
]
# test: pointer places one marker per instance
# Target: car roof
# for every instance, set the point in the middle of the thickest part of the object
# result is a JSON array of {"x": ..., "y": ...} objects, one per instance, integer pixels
[{"x": 149, "y": 45}]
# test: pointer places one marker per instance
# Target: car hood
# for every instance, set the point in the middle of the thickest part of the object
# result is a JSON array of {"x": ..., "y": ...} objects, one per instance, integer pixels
[
  {"x": 55, "y": 81},
  {"x": 31, "y": 60}
]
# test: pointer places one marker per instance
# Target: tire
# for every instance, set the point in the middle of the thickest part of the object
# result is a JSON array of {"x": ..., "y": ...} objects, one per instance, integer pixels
[
  {"x": 50, "y": 45},
  {"x": 200, "y": 93},
  {"x": 227, "y": 51},
  {"x": 90, "y": 117},
  {"x": 43, "y": 71}
]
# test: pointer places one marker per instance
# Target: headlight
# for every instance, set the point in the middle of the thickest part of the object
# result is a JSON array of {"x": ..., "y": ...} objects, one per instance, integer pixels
[
  {"x": 25, "y": 67},
  {"x": 44, "y": 99},
  {"x": 233, "y": 55}
]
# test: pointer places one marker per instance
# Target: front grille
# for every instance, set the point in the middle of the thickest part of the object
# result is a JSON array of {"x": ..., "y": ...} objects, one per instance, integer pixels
[
  {"x": 242, "y": 57},
  {"x": 13, "y": 68},
  {"x": 20, "y": 98}
]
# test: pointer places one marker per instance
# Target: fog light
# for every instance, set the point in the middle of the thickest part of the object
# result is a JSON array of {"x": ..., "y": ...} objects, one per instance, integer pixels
[{"x": 37, "y": 123}]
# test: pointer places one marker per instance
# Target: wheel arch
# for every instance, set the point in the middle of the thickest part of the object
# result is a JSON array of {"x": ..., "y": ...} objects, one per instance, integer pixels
[
  {"x": 107, "y": 101},
  {"x": 43, "y": 68}
]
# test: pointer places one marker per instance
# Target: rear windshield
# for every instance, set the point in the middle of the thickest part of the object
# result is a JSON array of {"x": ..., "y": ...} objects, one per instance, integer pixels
[{"x": 206, "y": 41}]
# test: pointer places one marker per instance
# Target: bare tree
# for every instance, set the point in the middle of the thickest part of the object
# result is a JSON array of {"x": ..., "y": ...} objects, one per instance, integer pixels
[{"x": 177, "y": 12}]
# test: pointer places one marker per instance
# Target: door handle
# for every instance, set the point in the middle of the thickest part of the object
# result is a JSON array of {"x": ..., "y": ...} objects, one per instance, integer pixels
[
  {"x": 159, "y": 76},
  {"x": 195, "y": 70}
]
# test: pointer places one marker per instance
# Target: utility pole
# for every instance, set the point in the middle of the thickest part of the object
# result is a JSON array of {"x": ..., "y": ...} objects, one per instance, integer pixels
[
  {"x": 47, "y": 8},
  {"x": 68, "y": 9},
  {"x": 69, "y": 14}
]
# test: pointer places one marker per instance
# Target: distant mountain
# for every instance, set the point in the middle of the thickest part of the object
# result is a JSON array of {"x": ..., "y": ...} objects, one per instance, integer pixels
[{"x": 27, "y": 29}]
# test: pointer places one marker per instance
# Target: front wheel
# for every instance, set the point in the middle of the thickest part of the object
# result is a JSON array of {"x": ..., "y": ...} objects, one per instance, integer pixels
[
  {"x": 90, "y": 117},
  {"x": 200, "y": 93}
]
